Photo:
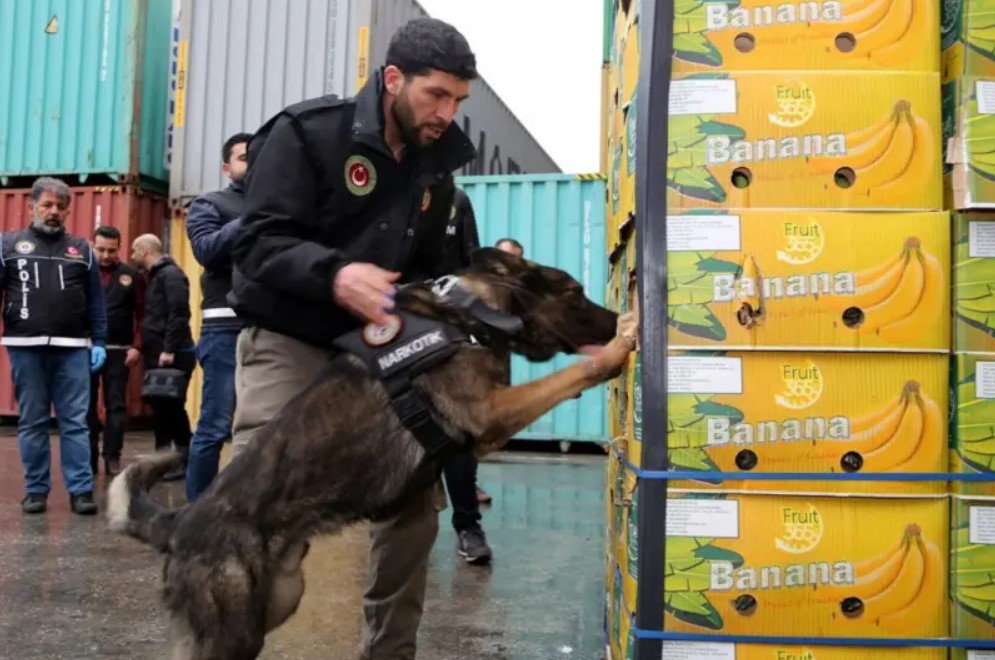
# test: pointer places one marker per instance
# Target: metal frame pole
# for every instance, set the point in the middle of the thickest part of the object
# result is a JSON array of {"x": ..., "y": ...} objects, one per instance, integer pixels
[{"x": 656, "y": 54}]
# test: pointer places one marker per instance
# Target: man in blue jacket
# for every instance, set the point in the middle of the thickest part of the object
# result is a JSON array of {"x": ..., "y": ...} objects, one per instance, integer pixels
[
  {"x": 212, "y": 223},
  {"x": 55, "y": 330}
]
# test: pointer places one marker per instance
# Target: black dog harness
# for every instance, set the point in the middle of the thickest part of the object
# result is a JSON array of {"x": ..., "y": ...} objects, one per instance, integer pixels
[{"x": 412, "y": 344}]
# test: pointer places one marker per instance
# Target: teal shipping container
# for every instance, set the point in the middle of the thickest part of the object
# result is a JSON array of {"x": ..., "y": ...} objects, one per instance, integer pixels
[
  {"x": 84, "y": 89},
  {"x": 560, "y": 221}
]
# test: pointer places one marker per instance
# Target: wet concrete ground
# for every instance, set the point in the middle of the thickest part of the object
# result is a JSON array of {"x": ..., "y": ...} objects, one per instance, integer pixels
[{"x": 71, "y": 590}]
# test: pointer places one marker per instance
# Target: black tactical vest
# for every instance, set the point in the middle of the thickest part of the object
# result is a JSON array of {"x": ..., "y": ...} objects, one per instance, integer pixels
[{"x": 45, "y": 281}]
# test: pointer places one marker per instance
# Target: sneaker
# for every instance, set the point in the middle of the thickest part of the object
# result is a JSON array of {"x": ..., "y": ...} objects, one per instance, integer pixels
[
  {"x": 83, "y": 504},
  {"x": 34, "y": 503},
  {"x": 483, "y": 497},
  {"x": 472, "y": 546}
]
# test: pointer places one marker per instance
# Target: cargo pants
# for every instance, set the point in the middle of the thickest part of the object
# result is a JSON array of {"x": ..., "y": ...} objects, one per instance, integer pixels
[{"x": 272, "y": 369}]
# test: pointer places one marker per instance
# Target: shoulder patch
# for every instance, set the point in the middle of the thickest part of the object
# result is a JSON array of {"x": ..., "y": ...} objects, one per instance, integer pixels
[
  {"x": 376, "y": 335},
  {"x": 360, "y": 175},
  {"x": 125, "y": 280},
  {"x": 24, "y": 247},
  {"x": 308, "y": 106}
]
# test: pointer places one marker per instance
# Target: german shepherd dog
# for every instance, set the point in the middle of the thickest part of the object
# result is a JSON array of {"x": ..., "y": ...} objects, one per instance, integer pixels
[{"x": 338, "y": 454}]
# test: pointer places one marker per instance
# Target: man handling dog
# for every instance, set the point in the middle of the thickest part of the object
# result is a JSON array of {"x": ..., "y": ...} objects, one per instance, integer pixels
[{"x": 353, "y": 391}]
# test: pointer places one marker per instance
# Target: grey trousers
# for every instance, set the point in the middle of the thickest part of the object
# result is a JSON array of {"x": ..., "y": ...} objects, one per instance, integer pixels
[{"x": 273, "y": 369}]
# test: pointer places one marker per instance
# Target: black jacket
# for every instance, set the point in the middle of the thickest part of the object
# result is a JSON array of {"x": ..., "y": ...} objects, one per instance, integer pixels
[
  {"x": 212, "y": 225},
  {"x": 461, "y": 236},
  {"x": 123, "y": 293},
  {"x": 166, "y": 322},
  {"x": 323, "y": 190}
]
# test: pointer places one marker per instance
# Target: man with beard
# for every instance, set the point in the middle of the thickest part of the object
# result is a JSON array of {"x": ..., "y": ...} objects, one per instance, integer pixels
[
  {"x": 124, "y": 289},
  {"x": 344, "y": 198},
  {"x": 212, "y": 224},
  {"x": 55, "y": 331}
]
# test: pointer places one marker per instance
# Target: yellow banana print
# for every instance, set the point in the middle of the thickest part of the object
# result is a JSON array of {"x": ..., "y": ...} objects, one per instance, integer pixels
[
  {"x": 922, "y": 170},
  {"x": 876, "y": 284},
  {"x": 893, "y": 162},
  {"x": 932, "y": 581},
  {"x": 904, "y": 441},
  {"x": 933, "y": 293},
  {"x": 894, "y": 24},
  {"x": 901, "y": 302},
  {"x": 927, "y": 456},
  {"x": 864, "y": 145}
]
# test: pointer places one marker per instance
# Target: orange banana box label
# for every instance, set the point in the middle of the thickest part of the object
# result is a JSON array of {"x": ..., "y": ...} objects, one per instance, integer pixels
[
  {"x": 728, "y": 651},
  {"x": 760, "y": 35},
  {"x": 752, "y": 279},
  {"x": 766, "y": 565},
  {"x": 830, "y": 413},
  {"x": 805, "y": 139},
  {"x": 972, "y": 570}
]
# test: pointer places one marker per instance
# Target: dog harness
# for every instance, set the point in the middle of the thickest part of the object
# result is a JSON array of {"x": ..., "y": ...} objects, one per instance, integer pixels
[{"x": 411, "y": 344}]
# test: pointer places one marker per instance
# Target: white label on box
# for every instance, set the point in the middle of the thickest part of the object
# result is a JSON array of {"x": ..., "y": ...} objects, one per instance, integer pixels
[
  {"x": 982, "y": 525},
  {"x": 984, "y": 380},
  {"x": 980, "y": 239},
  {"x": 707, "y": 518},
  {"x": 985, "y": 91},
  {"x": 714, "y": 233},
  {"x": 981, "y": 655},
  {"x": 698, "y": 651},
  {"x": 703, "y": 97},
  {"x": 704, "y": 375}
]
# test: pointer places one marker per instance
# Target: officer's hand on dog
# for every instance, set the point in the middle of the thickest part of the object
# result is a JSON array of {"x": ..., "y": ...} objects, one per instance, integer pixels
[
  {"x": 367, "y": 291},
  {"x": 166, "y": 359}
]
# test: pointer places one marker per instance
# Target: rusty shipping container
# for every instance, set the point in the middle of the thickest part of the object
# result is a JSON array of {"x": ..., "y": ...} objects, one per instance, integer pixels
[{"x": 132, "y": 210}]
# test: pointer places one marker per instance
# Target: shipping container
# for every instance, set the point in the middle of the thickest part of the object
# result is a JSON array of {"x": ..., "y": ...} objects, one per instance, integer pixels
[
  {"x": 235, "y": 63},
  {"x": 131, "y": 210},
  {"x": 85, "y": 85},
  {"x": 560, "y": 220}
]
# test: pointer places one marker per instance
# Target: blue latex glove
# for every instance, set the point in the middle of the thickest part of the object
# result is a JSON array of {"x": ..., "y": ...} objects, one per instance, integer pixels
[{"x": 98, "y": 354}]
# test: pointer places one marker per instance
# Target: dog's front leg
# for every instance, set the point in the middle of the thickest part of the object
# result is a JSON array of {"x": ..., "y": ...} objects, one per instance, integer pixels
[{"x": 509, "y": 410}]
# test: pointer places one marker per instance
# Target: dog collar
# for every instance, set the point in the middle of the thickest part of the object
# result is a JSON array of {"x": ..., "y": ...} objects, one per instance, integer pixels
[{"x": 449, "y": 291}]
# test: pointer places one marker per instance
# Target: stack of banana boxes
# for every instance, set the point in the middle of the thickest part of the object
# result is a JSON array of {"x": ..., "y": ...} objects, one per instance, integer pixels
[
  {"x": 808, "y": 308},
  {"x": 968, "y": 73}
]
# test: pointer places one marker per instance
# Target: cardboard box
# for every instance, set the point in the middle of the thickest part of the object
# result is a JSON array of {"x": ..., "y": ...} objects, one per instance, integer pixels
[
  {"x": 761, "y": 35},
  {"x": 970, "y": 150},
  {"x": 725, "y": 651},
  {"x": 831, "y": 413},
  {"x": 805, "y": 139},
  {"x": 807, "y": 566},
  {"x": 972, "y": 569},
  {"x": 972, "y": 447},
  {"x": 765, "y": 279},
  {"x": 622, "y": 82},
  {"x": 973, "y": 303},
  {"x": 967, "y": 38}
]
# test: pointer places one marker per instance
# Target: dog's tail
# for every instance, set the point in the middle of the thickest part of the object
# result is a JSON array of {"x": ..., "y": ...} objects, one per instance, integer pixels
[{"x": 131, "y": 511}]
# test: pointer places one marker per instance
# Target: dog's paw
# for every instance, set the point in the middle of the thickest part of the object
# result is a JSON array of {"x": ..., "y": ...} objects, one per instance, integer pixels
[{"x": 628, "y": 328}]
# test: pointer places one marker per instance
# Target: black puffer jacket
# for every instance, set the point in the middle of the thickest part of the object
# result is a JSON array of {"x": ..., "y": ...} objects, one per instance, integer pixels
[{"x": 166, "y": 323}]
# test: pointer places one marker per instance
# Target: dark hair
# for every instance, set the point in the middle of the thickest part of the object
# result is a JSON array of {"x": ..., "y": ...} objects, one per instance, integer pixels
[
  {"x": 512, "y": 241},
  {"x": 425, "y": 44},
  {"x": 110, "y": 233},
  {"x": 238, "y": 138}
]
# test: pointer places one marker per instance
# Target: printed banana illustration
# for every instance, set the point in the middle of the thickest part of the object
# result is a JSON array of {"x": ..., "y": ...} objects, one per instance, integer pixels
[
  {"x": 864, "y": 145},
  {"x": 906, "y": 436},
  {"x": 896, "y": 297},
  {"x": 922, "y": 168},
  {"x": 892, "y": 589},
  {"x": 974, "y": 289},
  {"x": 975, "y": 423}
]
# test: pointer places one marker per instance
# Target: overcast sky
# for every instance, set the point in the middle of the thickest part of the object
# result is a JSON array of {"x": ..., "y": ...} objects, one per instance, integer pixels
[{"x": 556, "y": 96}]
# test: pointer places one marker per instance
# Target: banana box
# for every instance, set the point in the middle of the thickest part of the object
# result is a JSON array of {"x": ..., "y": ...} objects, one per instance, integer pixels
[
  {"x": 752, "y": 279},
  {"x": 972, "y": 654},
  {"x": 806, "y": 566},
  {"x": 622, "y": 83},
  {"x": 970, "y": 151},
  {"x": 761, "y": 35},
  {"x": 728, "y": 651},
  {"x": 805, "y": 139},
  {"x": 621, "y": 635},
  {"x": 634, "y": 439},
  {"x": 972, "y": 569},
  {"x": 973, "y": 303},
  {"x": 972, "y": 433},
  {"x": 967, "y": 37},
  {"x": 830, "y": 413}
]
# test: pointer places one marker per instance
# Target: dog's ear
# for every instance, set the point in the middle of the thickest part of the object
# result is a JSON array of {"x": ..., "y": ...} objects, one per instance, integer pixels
[{"x": 496, "y": 261}]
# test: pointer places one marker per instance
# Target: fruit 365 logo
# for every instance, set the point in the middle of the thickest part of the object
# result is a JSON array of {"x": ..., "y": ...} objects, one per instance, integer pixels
[
  {"x": 795, "y": 105},
  {"x": 802, "y": 385},
  {"x": 803, "y": 242}
]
